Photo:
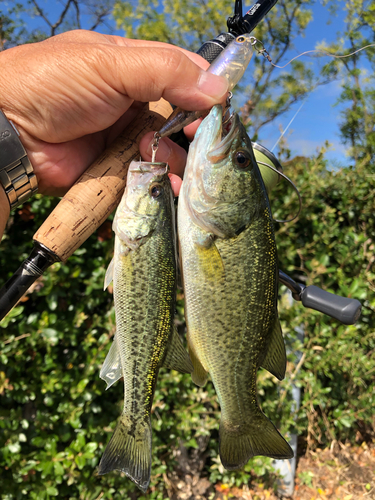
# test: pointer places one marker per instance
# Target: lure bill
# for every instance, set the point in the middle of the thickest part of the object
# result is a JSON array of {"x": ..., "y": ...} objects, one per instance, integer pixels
[
  {"x": 229, "y": 266},
  {"x": 230, "y": 63},
  {"x": 143, "y": 271}
]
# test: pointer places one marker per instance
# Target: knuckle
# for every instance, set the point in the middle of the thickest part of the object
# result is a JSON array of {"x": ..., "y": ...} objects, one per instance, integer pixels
[{"x": 173, "y": 60}]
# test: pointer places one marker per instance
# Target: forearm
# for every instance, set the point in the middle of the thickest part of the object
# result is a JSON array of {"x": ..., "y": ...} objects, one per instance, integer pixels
[{"x": 4, "y": 211}]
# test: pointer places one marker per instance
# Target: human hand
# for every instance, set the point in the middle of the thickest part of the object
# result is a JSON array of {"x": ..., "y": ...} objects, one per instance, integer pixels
[{"x": 70, "y": 96}]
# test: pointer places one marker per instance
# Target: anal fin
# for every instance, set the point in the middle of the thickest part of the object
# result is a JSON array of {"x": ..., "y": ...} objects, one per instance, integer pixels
[
  {"x": 275, "y": 359},
  {"x": 111, "y": 370},
  {"x": 177, "y": 358},
  {"x": 108, "y": 275},
  {"x": 199, "y": 375}
]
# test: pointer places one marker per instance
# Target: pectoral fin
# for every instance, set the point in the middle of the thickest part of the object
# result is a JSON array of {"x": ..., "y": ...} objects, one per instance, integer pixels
[
  {"x": 275, "y": 359},
  {"x": 211, "y": 263},
  {"x": 108, "y": 275},
  {"x": 111, "y": 370},
  {"x": 177, "y": 358}
]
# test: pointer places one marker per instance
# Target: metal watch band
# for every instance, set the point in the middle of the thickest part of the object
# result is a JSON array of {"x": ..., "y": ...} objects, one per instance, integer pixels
[{"x": 16, "y": 172}]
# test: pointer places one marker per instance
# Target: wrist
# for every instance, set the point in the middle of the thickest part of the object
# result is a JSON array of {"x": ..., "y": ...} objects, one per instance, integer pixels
[
  {"x": 17, "y": 177},
  {"x": 4, "y": 210}
]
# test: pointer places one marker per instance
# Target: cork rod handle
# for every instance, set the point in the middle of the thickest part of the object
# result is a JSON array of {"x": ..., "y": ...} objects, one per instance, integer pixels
[{"x": 98, "y": 191}]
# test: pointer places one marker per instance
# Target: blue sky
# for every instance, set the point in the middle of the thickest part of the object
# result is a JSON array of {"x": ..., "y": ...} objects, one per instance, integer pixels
[{"x": 318, "y": 119}]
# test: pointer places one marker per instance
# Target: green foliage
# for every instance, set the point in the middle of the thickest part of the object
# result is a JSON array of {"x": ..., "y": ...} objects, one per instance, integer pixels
[
  {"x": 186, "y": 23},
  {"x": 55, "y": 415},
  {"x": 12, "y": 30},
  {"x": 332, "y": 246}
]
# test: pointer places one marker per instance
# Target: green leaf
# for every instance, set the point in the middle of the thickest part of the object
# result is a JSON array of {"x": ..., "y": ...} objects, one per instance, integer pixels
[
  {"x": 51, "y": 490},
  {"x": 80, "y": 461},
  {"x": 59, "y": 469}
]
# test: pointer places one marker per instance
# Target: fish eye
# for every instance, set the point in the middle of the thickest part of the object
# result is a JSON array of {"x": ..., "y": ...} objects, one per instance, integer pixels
[
  {"x": 242, "y": 159},
  {"x": 156, "y": 190},
  {"x": 240, "y": 39}
]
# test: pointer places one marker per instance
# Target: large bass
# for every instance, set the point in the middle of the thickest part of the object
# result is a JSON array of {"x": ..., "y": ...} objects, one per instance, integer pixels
[{"x": 230, "y": 272}]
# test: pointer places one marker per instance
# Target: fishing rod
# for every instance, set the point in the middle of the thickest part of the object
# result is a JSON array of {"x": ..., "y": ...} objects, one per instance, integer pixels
[{"x": 98, "y": 191}]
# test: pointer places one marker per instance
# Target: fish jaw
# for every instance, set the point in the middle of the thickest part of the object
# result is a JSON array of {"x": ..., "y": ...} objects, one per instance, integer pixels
[
  {"x": 206, "y": 137},
  {"x": 223, "y": 195}
]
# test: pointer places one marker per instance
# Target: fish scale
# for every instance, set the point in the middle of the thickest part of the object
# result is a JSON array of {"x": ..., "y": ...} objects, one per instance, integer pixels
[{"x": 229, "y": 267}]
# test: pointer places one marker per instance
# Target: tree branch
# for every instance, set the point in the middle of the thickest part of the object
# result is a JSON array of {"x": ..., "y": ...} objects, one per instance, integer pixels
[{"x": 45, "y": 18}]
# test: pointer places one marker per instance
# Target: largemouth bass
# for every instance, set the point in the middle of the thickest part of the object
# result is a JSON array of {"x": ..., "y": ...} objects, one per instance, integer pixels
[
  {"x": 230, "y": 272},
  {"x": 144, "y": 288}
]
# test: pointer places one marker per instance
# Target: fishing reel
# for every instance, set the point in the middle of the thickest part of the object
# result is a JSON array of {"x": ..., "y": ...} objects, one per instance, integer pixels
[{"x": 238, "y": 24}]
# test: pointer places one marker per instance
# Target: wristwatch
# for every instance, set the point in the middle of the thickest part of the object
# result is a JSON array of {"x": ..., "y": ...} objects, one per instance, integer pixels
[{"x": 16, "y": 172}]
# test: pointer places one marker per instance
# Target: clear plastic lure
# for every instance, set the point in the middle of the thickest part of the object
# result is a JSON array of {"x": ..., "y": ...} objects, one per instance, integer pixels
[{"x": 230, "y": 63}]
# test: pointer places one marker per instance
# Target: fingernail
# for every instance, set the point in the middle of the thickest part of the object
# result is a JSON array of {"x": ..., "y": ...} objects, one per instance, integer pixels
[
  {"x": 212, "y": 85},
  {"x": 163, "y": 152}
]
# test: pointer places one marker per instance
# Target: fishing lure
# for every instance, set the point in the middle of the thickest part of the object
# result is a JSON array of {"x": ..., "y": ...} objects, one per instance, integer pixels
[{"x": 232, "y": 64}]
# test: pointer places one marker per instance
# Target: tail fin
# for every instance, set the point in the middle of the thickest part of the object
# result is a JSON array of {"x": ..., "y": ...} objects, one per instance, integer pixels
[
  {"x": 257, "y": 437},
  {"x": 129, "y": 451}
]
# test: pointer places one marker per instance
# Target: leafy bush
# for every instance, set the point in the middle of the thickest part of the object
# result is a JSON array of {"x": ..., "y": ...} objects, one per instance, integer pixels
[
  {"x": 56, "y": 416},
  {"x": 332, "y": 246}
]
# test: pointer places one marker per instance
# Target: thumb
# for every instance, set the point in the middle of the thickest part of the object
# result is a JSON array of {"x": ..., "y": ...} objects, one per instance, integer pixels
[{"x": 149, "y": 73}]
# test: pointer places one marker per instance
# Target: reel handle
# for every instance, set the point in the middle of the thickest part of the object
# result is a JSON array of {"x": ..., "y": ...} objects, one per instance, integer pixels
[
  {"x": 341, "y": 308},
  {"x": 98, "y": 191}
]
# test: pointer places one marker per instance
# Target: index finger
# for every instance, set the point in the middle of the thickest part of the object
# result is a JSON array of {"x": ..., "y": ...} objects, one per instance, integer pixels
[{"x": 129, "y": 42}]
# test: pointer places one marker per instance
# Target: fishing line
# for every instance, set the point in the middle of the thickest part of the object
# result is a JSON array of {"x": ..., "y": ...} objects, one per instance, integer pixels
[
  {"x": 262, "y": 51},
  {"x": 293, "y": 186},
  {"x": 289, "y": 124},
  {"x": 265, "y": 54}
]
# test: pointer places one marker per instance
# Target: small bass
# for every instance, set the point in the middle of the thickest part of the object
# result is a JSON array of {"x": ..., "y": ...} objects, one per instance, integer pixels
[
  {"x": 230, "y": 273},
  {"x": 143, "y": 270}
]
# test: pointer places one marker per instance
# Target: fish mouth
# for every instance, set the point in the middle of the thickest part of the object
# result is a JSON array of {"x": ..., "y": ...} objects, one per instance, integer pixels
[
  {"x": 146, "y": 167},
  {"x": 142, "y": 172},
  {"x": 223, "y": 134}
]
